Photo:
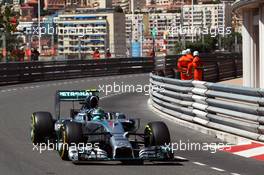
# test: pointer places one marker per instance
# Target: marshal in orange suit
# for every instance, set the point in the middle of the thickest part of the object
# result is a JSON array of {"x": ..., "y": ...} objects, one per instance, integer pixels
[
  {"x": 196, "y": 67},
  {"x": 183, "y": 63}
]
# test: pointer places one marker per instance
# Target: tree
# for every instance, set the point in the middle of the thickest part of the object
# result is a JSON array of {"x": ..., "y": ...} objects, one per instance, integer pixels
[
  {"x": 118, "y": 9},
  {"x": 8, "y": 19},
  {"x": 229, "y": 41},
  {"x": 8, "y": 25},
  {"x": 208, "y": 45}
]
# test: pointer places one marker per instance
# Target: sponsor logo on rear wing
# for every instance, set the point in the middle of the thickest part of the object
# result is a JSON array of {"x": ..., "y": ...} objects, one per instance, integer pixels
[{"x": 76, "y": 95}]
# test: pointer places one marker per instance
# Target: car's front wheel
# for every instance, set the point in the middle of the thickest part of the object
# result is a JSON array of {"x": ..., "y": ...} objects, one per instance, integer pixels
[
  {"x": 71, "y": 134},
  {"x": 156, "y": 134}
]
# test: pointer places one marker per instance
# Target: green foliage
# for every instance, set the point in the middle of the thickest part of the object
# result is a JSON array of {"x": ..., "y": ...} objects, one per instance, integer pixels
[
  {"x": 118, "y": 9},
  {"x": 6, "y": 15},
  {"x": 8, "y": 24},
  {"x": 208, "y": 45},
  {"x": 229, "y": 41}
]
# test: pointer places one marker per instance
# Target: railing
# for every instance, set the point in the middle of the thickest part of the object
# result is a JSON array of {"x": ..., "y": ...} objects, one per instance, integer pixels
[
  {"x": 217, "y": 67},
  {"x": 232, "y": 109},
  {"x": 12, "y": 73}
]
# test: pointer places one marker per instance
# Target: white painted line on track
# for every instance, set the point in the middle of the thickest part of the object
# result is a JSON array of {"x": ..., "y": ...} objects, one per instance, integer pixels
[
  {"x": 199, "y": 163},
  {"x": 235, "y": 174},
  {"x": 179, "y": 157},
  {"x": 71, "y": 82},
  {"x": 217, "y": 169}
]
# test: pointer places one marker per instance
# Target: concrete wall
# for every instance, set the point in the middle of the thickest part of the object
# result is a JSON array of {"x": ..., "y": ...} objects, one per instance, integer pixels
[{"x": 253, "y": 42}]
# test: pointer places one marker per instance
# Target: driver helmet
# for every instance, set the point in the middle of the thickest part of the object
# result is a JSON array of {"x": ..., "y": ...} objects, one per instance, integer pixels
[
  {"x": 92, "y": 102},
  {"x": 98, "y": 114}
]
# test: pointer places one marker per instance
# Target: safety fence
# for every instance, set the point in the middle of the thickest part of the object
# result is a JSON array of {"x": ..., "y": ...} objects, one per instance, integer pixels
[
  {"x": 12, "y": 73},
  {"x": 233, "y": 109},
  {"x": 217, "y": 66}
]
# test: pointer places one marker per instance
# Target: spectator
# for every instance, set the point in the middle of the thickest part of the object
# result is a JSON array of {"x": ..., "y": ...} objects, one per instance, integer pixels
[
  {"x": 21, "y": 54},
  {"x": 96, "y": 54},
  {"x": 108, "y": 53},
  {"x": 152, "y": 54},
  {"x": 35, "y": 55}
]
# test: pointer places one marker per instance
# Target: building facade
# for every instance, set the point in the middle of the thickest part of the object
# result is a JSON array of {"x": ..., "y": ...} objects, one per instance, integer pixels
[
  {"x": 129, "y": 5},
  {"x": 207, "y": 19},
  {"x": 182, "y": 26},
  {"x": 252, "y": 13},
  {"x": 84, "y": 30},
  {"x": 166, "y": 4},
  {"x": 139, "y": 29},
  {"x": 53, "y": 5}
]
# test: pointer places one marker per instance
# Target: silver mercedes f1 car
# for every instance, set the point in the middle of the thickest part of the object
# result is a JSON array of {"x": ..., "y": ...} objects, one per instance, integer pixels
[{"x": 90, "y": 134}]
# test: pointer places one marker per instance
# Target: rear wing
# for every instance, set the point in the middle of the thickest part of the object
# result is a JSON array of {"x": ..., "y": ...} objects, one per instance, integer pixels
[
  {"x": 75, "y": 95},
  {"x": 72, "y": 96}
]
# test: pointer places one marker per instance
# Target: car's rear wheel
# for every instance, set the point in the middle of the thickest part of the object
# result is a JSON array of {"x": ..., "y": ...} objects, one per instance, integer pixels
[
  {"x": 42, "y": 127},
  {"x": 71, "y": 135},
  {"x": 156, "y": 134}
]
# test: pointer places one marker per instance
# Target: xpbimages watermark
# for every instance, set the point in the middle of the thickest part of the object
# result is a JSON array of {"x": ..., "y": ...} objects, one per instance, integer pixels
[
  {"x": 51, "y": 146},
  {"x": 193, "y": 30},
  {"x": 192, "y": 146},
  {"x": 174, "y": 147},
  {"x": 50, "y": 30},
  {"x": 172, "y": 30},
  {"x": 129, "y": 88}
]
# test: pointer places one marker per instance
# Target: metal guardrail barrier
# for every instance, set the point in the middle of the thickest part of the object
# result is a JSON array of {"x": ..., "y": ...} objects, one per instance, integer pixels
[
  {"x": 12, "y": 73},
  {"x": 232, "y": 109}
]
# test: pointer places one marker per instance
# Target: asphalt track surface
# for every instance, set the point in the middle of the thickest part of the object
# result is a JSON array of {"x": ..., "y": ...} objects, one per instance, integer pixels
[{"x": 17, "y": 156}]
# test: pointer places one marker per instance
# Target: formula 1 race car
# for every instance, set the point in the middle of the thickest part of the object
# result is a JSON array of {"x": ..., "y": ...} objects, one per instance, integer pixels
[{"x": 90, "y": 134}]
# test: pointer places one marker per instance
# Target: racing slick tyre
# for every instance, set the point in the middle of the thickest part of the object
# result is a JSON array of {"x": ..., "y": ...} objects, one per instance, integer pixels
[
  {"x": 42, "y": 127},
  {"x": 156, "y": 134},
  {"x": 71, "y": 134}
]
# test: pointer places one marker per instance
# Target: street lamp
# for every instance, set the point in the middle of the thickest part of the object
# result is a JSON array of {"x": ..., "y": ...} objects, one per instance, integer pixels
[
  {"x": 79, "y": 46},
  {"x": 192, "y": 19},
  {"x": 39, "y": 29}
]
